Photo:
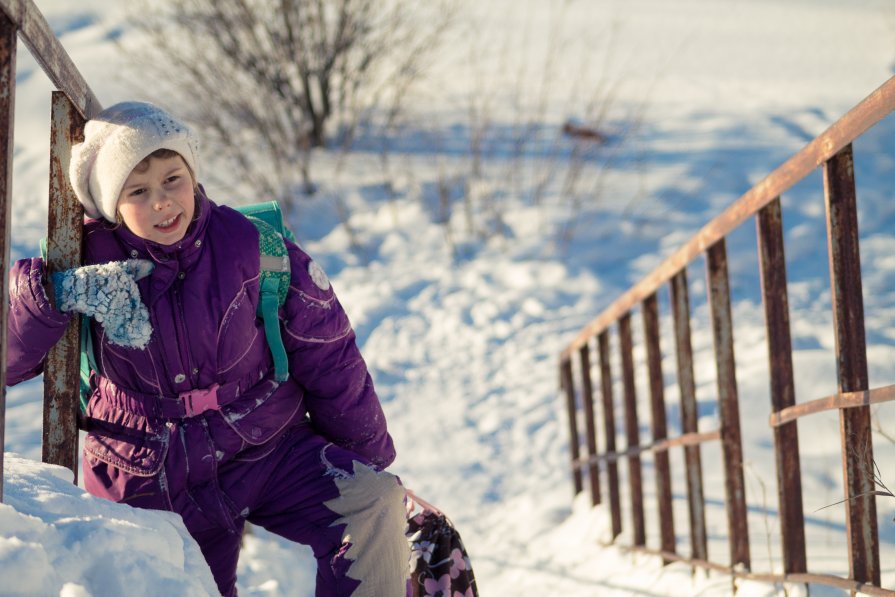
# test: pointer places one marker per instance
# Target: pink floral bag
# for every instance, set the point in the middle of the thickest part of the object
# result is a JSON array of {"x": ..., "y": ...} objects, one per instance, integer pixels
[{"x": 439, "y": 565}]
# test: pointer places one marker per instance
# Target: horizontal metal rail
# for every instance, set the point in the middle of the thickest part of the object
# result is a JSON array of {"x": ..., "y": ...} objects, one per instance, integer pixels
[
  {"x": 688, "y": 439},
  {"x": 46, "y": 48},
  {"x": 834, "y": 402}
]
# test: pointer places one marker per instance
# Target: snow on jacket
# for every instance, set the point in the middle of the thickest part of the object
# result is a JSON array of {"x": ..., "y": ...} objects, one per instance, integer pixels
[{"x": 202, "y": 298}]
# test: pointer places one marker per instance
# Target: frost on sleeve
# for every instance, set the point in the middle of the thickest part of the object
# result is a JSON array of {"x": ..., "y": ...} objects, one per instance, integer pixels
[
  {"x": 34, "y": 326},
  {"x": 325, "y": 360}
]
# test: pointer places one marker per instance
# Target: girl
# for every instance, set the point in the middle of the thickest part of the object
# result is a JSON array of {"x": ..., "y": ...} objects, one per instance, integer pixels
[{"x": 185, "y": 412}]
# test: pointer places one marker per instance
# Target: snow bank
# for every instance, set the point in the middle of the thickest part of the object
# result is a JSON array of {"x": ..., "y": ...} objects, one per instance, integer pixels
[{"x": 56, "y": 539}]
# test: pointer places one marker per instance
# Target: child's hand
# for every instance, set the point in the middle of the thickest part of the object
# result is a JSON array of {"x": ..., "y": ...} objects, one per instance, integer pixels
[{"x": 108, "y": 292}]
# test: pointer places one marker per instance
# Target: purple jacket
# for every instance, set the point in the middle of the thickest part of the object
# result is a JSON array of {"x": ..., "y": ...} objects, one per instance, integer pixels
[{"x": 202, "y": 298}]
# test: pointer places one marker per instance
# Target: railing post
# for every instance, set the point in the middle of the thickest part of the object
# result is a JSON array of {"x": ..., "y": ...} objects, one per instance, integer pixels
[
  {"x": 64, "y": 234},
  {"x": 659, "y": 421},
  {"x": 587, "y": 397},
  {"x": 851, "y": 361},
  {"x": 728, "y": 403},
  {"x": 615, "y": 509},
  {"x": 772, "y": 264},
  {"x": 632, "y": 428},
  {"x": 680, "y": 310},
  {"x": 568, "y": 385},
  {"x": 7, "y": 123}
]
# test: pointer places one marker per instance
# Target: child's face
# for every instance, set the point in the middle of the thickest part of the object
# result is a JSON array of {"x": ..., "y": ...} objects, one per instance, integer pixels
[{"x": 158, "y": 204}]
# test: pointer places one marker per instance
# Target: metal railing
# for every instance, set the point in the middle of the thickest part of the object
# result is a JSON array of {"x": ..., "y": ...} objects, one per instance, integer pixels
[
  {"x": 832, "y": 151},
  {"x": 72, "y": 104}
]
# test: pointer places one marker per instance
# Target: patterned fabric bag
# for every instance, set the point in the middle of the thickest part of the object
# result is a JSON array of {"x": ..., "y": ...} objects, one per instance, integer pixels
[{"x": 439, "y": 565}]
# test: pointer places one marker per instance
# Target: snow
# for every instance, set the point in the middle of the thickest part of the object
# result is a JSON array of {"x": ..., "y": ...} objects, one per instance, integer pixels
[
  {"x": 59, "y": 539},
  {"x": 462, "y": 333}
]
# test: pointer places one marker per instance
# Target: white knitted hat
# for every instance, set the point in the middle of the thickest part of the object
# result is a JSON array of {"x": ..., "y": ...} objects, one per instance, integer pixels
[{"x": 115, "y": 141}]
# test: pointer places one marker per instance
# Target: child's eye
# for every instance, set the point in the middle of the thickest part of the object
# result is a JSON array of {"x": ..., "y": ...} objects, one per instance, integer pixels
[
  {"x": 137, "y": 192},
  {"x": 173, "y": 178}
]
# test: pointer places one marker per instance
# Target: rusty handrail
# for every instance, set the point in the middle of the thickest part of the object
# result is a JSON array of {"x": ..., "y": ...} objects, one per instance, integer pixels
[
  {"x": 71, "y": 106},
  {"x": 7, "y": 122},
  {"x": 832, "y": 150},
  {"x": 858, "y": 120},
  {"x": 834, "y": 402},
  {"x": 45, "y": 47},
  {"x": 689, "y": 439}
]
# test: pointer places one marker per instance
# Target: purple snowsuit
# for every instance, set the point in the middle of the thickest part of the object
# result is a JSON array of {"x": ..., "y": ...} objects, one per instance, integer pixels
[{"x": 197, "y": 424}]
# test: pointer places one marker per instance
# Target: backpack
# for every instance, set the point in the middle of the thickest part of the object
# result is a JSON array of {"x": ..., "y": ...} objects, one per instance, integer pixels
[
  {"x": 275, "y": 275},
  {"x": 274, "y": 281}
]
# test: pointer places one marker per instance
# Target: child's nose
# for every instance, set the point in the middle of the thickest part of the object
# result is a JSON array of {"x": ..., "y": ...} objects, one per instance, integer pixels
[{"x": 161, "y": 201}]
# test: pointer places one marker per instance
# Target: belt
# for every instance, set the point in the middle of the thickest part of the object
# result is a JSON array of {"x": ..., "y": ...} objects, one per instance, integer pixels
[{"x": 183, "y": 405}]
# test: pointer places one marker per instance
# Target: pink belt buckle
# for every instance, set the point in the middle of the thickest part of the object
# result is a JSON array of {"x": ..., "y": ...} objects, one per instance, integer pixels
[{"x": 198, "y": 401}]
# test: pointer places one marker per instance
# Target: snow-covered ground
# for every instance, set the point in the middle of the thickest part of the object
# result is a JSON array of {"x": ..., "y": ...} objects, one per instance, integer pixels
[{"x": 462, "y": 333}]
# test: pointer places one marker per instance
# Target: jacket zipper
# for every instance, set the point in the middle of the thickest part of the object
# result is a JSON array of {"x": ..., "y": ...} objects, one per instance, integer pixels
[{"x": 180, "y": 328}]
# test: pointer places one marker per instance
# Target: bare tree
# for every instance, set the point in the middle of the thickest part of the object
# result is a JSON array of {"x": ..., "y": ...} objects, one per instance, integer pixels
[{"x": 266, "y": 80}]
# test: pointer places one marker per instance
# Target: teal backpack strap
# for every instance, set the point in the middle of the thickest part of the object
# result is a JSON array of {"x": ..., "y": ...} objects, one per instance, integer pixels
[
  {"x": 88, "y": 363},
  {"x": 274, "y": 283},
  {"x": 269, "y": 308}
]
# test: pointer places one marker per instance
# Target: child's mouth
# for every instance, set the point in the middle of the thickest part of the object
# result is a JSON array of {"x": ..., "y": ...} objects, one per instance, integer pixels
[{"x": 169, "y": 225}]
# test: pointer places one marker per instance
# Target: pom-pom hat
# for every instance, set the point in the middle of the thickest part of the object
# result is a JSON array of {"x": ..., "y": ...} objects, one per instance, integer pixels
[{"x": 115, "y": 141}]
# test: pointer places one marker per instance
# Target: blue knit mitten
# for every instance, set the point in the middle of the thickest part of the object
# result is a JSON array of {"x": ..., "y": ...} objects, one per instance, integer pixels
[{"x": 108, "y": 292}]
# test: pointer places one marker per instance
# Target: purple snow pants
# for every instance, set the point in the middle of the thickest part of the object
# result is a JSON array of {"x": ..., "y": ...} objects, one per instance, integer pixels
[{"x": 298, "y": 486}]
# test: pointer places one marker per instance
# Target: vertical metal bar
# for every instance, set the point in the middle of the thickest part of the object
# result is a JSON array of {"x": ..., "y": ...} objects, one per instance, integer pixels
[
  {"x": 680, "y": 310},
  {"x": 851, "y": 361},
  {"x": 772, "y": 264},
  {"x": 587, "y": 397},
  {"x": 658, "y": 420},
  {"x": 615, "y": 508},
  {"x": 64, "y": 234},
  {"x": 728, "y": 403},
  {"x": 7, "y": 123},
  {"x": 632, "y": 429},
  {"x": 565, "y": 372}
]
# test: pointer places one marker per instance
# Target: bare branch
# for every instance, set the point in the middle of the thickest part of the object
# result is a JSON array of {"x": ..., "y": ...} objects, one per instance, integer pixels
[{"x": 273, "y": 76}]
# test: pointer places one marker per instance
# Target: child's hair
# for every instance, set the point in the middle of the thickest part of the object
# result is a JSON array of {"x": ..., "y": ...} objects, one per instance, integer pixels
[{"x": 164, "y": 154}]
